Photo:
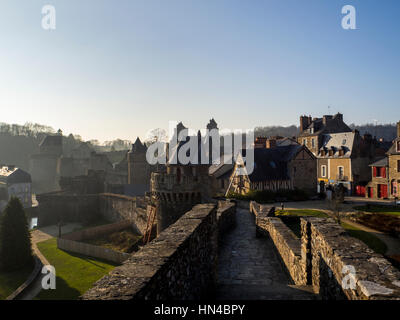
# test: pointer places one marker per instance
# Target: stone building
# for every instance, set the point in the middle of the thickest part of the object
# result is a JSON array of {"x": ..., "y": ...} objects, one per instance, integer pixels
[
  {"x": 276, "y": 168},
  {"x": 313, "y": 129},
  {"x": 15, "y": 182},
  {"x": 385, "y": 181},
  {"x": 378, "y": 187},
  {"x": 394, "y": 166},
  {"x": 43, "y": 166},
  {"x": 343, "y": 158},
  {"x": 179, "y": 187}
]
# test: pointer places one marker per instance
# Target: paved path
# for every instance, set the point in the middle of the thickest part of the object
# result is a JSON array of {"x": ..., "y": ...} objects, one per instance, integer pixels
[{"x": 249, "y": 268}]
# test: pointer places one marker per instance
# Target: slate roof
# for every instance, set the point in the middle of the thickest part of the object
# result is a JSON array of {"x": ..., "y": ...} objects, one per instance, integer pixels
[
  {"x": 272, "y": 164},
  {"x": 393, "y": 149},
  {"x": 333, "y": 125},
  {"x": 51, "y": 140},
  {"x": 380, "y": 163},
  {"x": 222, "y": 170},
  {"x": 138, "y": 146},
  {"x": 338, "y": 141},
  {"x": 11, "y": 175}
]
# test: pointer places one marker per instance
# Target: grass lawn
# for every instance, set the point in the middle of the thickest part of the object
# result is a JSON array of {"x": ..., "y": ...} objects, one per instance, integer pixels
[
  {"x": 369, "y": 239},
  {"x": 390, "y": 210},
  {"x": 75, "y": 273},
  {"x": 294, "y": 224},
  {"x": 10, "y": 281},
  {"x": 301, "y": 213}
]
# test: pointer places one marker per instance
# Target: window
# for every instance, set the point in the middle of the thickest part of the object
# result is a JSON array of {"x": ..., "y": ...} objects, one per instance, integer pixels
[
  {"x": 398, "y": 146},
  {"x": 323, "y": 171},
  {"x": 313, "y": 142},
  {"x": 398, "y": 165},
  {"x": 341, "y": 172},
  {"x": 344, "y": 141},
  {"x": 304, "y": 142}
]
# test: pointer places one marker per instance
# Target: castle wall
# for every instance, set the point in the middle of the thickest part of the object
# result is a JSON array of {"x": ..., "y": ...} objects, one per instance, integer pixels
[
  {"x": 337, "y": 265},
  {"x": 180, "y": 264},
  {"x": 88, "y": 208}
]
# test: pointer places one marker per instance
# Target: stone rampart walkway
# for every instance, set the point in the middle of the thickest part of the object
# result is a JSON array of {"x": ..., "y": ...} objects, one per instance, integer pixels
[{"x": 249, "y": 268}]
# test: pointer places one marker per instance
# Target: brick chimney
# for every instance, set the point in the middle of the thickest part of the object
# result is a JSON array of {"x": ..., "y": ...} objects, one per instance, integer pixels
[
  {"x": 270, "y": 143},
  {"x": 325, "y": 119},
  {"x": 304, "y": 122},
  {"x": 398, "y": 129}
]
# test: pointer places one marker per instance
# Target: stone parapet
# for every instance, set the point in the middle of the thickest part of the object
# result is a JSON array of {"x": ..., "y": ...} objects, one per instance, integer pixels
[
  {"x": 179, "y": 264},
  {"x": 337, "y": 265}
]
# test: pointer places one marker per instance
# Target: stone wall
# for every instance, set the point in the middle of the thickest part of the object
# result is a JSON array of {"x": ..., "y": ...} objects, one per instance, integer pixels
[
  {"x": 89, "y": 208},
  {"x": 98, "y": 231},
  {"x": 115, "y": 207},
  {"x": 179, "y": 264},
  {"x": 226, "y": 216},
  {"x": 334, "y": 253},
  {"x": 92, "y": 250},
  {"x": 69, "y": 208},
  {"x": 286, "y": 242},
  {"x": 325, "y": 255}
]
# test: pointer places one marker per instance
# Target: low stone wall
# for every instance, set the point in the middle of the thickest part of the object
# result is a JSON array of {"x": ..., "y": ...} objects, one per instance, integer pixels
[
  {"x": 325, "y": 255},
  {"x": 98, "y": 231},
  {"x": 334, "y": 254},
  {"x": 180, "y": 264},
  {"x": 286, "y": 242},
  {"x": 92, "y": 251}
]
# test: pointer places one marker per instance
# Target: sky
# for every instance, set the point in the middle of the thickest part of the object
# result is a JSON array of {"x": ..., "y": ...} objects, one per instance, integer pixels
[{"x": 116, "y": 69}]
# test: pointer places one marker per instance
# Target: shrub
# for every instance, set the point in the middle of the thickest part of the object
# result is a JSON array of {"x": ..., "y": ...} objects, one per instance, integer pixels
[{"x": 15, "y": 241}]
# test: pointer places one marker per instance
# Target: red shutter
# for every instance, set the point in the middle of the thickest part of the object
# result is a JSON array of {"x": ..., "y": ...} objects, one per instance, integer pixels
[
  {"x": 383, "y": 172},
  {"x": 374, "y": 171}
]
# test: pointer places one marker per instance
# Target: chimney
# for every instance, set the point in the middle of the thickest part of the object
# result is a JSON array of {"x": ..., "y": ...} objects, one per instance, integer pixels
[
  {"x": 339, "y": 117},
  {"x": 304, "y": 122},
  {"x": 271, "y": 143},
  {"x": 398, "y": 129},
  {"x": 325, "y": 119}
]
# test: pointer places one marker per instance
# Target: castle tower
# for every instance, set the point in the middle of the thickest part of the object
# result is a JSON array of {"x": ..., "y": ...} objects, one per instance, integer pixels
[
  {"x": 43, "y": 166},
  {"x": 138, "y": 167},
  {"x": 177, "y": 190}
]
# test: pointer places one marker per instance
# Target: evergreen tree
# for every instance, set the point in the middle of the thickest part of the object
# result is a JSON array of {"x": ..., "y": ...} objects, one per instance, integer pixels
[{"x": 15, "y": 239}]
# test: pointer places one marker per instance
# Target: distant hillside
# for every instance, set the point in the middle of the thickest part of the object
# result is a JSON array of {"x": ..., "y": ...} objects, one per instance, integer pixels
[
  {"x": 386, "y": 131},
  {"x": 18, "y": 142}
]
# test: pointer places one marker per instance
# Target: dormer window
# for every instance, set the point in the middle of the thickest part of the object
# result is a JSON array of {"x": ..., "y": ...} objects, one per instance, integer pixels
[
  {"x": 330, "y": 153},
  {"x": 341, "y": 153},
  {"x": 398, "y": 146}
]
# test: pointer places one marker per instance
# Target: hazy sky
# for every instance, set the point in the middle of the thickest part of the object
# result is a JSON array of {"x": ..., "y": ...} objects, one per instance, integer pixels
[{"x": 114, "y": 69}]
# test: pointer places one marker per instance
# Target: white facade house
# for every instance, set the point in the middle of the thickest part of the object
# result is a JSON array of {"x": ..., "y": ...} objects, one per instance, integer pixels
[{"x": 15, "y": 182}]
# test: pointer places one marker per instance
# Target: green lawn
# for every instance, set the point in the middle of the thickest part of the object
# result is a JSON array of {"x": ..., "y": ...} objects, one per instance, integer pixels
[
  {"x": 390, "y": 210},
  {"x": 10, "y": 281},
  {"x": 369, "y": 239},
  {"x": 75, "y": 273},
  {"x": 294, "y": 225},
  {"x": 301, "y": 213}
]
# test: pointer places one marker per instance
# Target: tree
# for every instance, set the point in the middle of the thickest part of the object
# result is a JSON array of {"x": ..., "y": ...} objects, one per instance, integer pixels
[{"x": 15, "y": 240}]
